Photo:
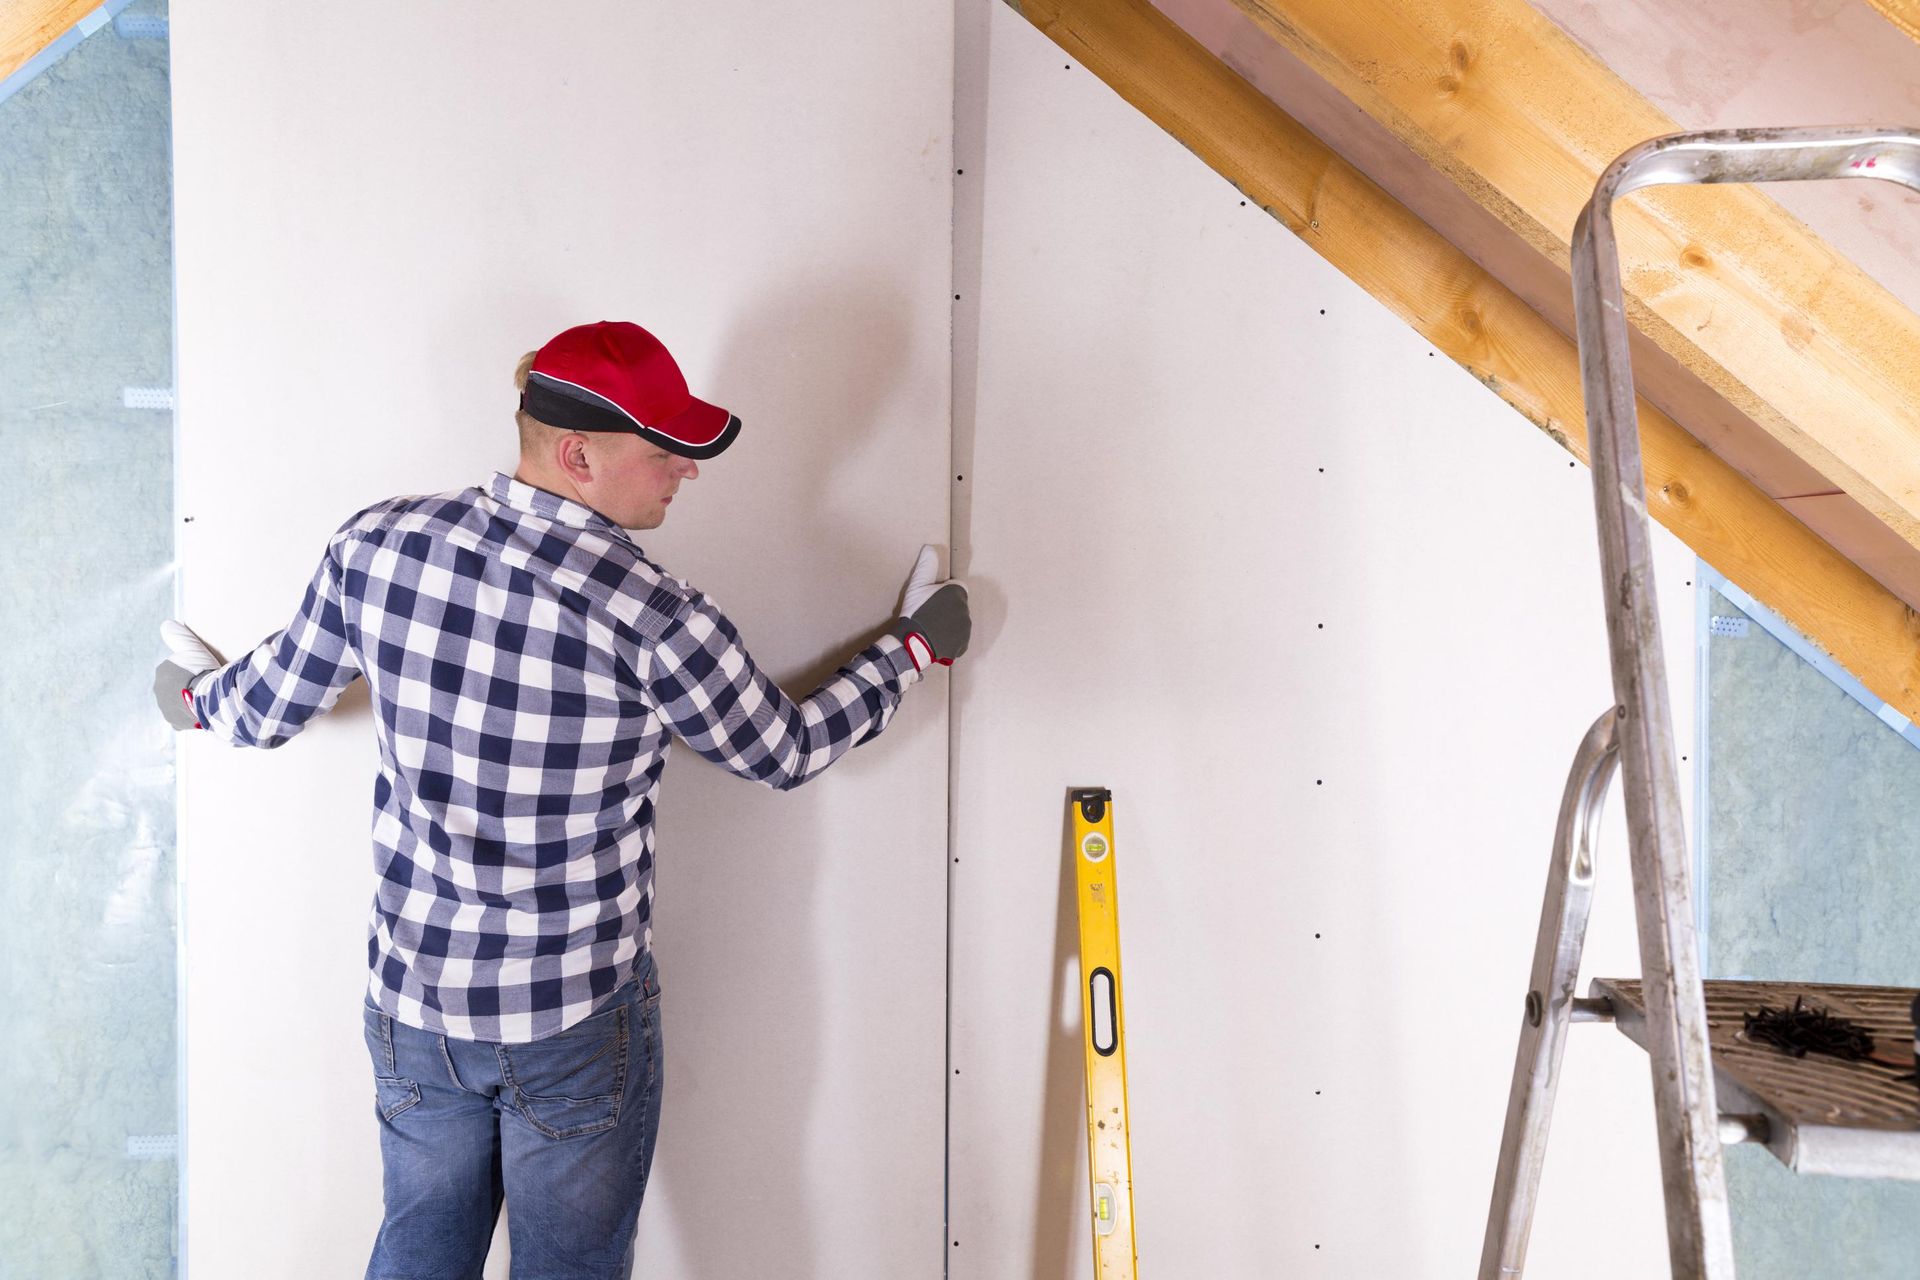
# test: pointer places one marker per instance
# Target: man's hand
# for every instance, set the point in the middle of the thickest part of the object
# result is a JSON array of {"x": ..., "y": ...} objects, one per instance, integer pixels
[
  {"x": 934, "y": 622},
  {"x": 189, "y": 659}
]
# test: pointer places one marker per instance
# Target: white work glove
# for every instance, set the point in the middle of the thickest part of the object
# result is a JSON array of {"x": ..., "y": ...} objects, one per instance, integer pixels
[
  {"x": 934, "y": 622},
  {"x": 188, "y": 659}
]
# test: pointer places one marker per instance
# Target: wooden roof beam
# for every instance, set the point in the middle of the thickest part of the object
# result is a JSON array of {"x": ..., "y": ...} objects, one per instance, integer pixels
[
  {"x": 1483, "y": 325},
  {"x": 1904, "y": 14},
  {"x": 1540, "y": 279},
  {"x": 28, "y": 26},
  {"x": 1489, "y": 99}
]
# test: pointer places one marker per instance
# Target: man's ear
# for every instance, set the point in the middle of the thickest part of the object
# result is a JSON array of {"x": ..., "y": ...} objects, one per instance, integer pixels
[{"x": 571, "y": 454}]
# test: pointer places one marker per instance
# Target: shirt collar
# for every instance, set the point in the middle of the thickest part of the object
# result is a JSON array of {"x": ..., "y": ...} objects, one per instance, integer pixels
[{"x": 522, "y": 496}]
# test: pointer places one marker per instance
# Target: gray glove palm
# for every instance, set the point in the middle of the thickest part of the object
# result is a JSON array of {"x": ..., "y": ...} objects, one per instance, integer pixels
[
  {"x": 934, "y": 622},
  {"x": 173, "y": 679}
]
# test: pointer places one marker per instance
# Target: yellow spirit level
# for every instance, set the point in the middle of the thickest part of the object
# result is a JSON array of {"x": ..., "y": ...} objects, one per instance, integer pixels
[{"x": 1109, "y": 1155}]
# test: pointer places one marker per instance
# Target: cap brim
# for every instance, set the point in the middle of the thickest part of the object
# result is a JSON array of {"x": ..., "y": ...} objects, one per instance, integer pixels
[{"x": 699, "y": 431}]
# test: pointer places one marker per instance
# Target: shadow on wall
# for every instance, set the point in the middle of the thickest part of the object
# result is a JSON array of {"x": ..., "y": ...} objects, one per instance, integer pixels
[
  {"x": 810, "y": 369},
  {"x": 742, "y": 871},
  {"x": 1063, "y": 1197},
  {"x": 739, "y": 875},
  {"x": 811, "y": 373}
]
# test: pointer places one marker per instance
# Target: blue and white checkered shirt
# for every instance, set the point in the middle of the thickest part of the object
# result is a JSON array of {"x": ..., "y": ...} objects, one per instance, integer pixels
[{"x": 529, "y": 668}]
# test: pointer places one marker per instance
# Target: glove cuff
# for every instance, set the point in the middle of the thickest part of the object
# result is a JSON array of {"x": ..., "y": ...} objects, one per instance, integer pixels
[{"x": 919, "y": 648}]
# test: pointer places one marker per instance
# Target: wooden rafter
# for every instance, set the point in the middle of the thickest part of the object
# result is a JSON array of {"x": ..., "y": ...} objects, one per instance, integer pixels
[
  {"x": 28, "y": 26},
  {"x": 1477, "y": 321},
  {"x": 1225, "y": 29},
  {"x": 1497, "y": 99},
  {"x": 1904, "y": 14}
]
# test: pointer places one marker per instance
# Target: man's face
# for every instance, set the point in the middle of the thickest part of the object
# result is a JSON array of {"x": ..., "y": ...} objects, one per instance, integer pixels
[{"x": 633, "y": 479}]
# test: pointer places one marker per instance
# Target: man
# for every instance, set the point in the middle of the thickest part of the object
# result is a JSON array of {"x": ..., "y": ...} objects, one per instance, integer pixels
[{"x": 529, "y": 667}]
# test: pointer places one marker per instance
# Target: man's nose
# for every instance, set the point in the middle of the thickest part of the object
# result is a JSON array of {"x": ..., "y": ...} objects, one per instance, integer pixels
[{"x": 689, "y": 469}]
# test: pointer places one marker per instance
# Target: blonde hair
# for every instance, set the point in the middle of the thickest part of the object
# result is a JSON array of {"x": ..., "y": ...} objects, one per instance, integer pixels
[{"x": 533, "y": 432}]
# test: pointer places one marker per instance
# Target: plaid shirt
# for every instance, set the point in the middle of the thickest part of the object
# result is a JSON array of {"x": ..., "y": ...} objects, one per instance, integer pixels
[{"x": 529, "y": 668}]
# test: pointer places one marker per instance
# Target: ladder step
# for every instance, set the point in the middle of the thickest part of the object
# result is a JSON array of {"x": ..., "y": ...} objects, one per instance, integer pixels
[{"x": 1824, "y": 1114}]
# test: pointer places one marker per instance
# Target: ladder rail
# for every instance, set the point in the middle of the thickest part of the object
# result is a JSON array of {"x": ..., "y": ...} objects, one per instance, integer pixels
[
  {"x": 1699, "y": 1227},
  {"x": 1551, "y": 1003}
]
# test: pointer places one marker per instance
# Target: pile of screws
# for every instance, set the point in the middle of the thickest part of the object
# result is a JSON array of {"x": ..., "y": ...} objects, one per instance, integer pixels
[{"x": 1801, "y": 1031}]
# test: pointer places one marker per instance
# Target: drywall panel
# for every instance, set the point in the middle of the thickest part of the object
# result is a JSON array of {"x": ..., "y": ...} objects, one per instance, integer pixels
[
  {"x": 378, "y": 212},
  {"x": 1325, "y": 614}
]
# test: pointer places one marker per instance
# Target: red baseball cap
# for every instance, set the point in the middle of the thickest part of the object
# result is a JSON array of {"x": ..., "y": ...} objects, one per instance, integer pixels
[{"x": 615, "y": 376}]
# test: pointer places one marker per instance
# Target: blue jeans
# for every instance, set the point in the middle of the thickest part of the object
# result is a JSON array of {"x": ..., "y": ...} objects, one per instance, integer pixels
[{"x": 562, "y": 1129}]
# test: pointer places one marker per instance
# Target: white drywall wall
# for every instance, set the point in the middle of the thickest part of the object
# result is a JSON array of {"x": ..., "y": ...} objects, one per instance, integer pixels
[
  {"x": 1325, "y": 614},
  {"x": 378, "y": 213},
  {"x": 379, "y": 208}
]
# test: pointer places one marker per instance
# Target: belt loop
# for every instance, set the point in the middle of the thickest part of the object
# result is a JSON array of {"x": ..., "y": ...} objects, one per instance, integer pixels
[
  {"x": 446, "y": 1056},
  {"x": 386, "y": 1040}
]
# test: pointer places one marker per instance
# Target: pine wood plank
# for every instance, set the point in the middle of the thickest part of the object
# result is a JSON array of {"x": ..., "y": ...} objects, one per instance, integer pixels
[
  {"x": 1496, "y": 97},
  {"x": 28, "y": 26},
  {"x": 1904, "y": 14},
  {"x": 1475, "y": 320}
]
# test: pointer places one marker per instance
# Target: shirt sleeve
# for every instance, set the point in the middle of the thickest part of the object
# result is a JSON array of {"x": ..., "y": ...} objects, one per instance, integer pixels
[
  {"x": 269, "y": 695},
  {"x": 714, "y": 697}
]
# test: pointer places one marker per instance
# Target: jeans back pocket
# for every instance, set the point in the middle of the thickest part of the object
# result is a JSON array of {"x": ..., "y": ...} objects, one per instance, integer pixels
[
  {"x": 394, "y": 1095},
  {"x": 571, "y": 1084}
]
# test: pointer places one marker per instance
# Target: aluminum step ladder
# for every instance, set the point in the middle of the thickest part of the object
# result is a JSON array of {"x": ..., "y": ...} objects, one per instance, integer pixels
[{"x": 1710, "y": 1084}]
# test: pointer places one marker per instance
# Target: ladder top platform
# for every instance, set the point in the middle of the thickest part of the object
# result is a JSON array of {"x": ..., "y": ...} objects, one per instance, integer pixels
[{"x": 1824, "y": 1114}]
